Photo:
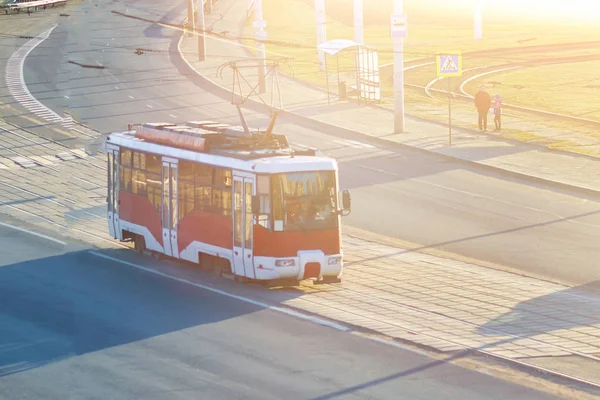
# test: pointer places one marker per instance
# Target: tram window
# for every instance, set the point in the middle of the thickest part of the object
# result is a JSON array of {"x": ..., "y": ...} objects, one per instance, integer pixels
[
  {"x": 222, "y": 184},
  {"x": 139, "y": 160},
  {"x": 222, "y": 201},
  {"x": 154, "y": 190},
  {"x": 222, "y": 177},
  {"x": 203, "y": 198},
  {"x": 186, "y": 188},
  {"x": 262, "y": 184},
  {"x": 138, "y": 173},
  {"x": 203, "y": 179},
  {"x": 138, "y": 182},
  {"x": 262, "y": 189},
  {"x": 277, "y": 198},
  {"x": 153, "y": 164},
  {"x": 125, "y": 170},
  {"x": 125, "y": 157}
]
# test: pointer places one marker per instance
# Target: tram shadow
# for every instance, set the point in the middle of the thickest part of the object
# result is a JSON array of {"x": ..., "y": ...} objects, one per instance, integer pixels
[
  {"x": 73, "y": 304},
  {"x": 567, "y": 315}
]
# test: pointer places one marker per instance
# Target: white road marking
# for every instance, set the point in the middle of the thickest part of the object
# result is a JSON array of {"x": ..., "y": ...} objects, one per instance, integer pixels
[
  {"x": 51, "y": 239},
  {"x": 353, "y": 143},
  {"x": 17, "y": 87},
  {"x": 149, "y": 106},
  {"x": 172, "y": 116},
  {"x": 378, "y": 170},
  {"x": 302, "y": 146},
  {"x": 131, "y": 97},
  {"x": 282, "y": 310}
]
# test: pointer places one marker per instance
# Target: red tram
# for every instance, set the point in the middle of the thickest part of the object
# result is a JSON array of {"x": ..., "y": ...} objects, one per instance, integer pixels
[{"x": 216, "y": 194}]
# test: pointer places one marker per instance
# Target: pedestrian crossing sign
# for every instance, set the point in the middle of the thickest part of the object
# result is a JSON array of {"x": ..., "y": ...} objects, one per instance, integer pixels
[{"x": 449, "y": 64}]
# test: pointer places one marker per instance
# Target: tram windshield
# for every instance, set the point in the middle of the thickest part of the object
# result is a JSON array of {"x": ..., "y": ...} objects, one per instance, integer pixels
[{"x": 305, "y": 200}]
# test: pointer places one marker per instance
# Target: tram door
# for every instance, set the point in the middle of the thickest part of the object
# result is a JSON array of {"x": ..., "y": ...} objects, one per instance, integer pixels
[
  {"x": 170, "y": 217},
  {"x": 243, "y": 226},
  {"x": 113, "y": 192}
]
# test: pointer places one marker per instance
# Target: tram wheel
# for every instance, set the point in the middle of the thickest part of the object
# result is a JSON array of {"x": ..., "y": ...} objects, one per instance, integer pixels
[{"x": 139, "y": 244}]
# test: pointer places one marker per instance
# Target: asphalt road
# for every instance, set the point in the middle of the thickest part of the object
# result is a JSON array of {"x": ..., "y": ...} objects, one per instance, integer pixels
[
  {"x": 73, "y": 326},
  {"x": 397, "y": 192}
]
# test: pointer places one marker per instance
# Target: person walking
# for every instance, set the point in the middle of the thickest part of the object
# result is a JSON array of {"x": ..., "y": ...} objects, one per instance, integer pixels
[
  {"x": 482, "y": 103},
  {"x": 497, "y": 113}
]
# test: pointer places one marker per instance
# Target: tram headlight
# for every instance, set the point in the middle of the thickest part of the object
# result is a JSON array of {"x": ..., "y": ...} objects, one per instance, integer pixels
[
  {"x": 334, "y": 260},
  {"x": 285, "y": 263}
]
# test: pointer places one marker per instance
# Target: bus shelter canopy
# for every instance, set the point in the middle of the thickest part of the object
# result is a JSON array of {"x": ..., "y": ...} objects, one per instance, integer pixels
[{"x": 332, "y": 47}]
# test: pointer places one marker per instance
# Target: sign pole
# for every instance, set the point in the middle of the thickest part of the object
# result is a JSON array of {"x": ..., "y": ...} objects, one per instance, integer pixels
[
  {"x": 260, "y": 35},
  {"x": 200, "y": 27},
  {"x": 321, "y": 30},
  {"x": 358, "y": 22},
  {"x": 191, "y": 17},
  {"x": 449, "y": 114},
  {"x": 449, "y": 64},
  {"x": 398, "y": 30},
  {"x": 477, "y": 21}
]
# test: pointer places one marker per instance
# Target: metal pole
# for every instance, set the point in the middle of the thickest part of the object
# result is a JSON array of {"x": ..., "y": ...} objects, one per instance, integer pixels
[
  {"x": 337, "y": 62},
  {"x": 398, "y": 77},
  {"x": 260, "y": 35},
  {"x": 449, "y": 114},
  {"x": 210, "y": 6},
  {"x": 190, "y": 16},
  {"x": 327, "y": 82},
  {"x": 477, "y": 20},
  {"x": 200, "y": 29},
  {"x": 358, "y": 22},
  {"x": 321, "y": 29}
]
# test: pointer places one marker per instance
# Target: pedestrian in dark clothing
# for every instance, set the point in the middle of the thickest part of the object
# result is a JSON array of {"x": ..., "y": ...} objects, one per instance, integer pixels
[
  {"x": 497, "y": 112},
  {"x": 482, "y": 103}
]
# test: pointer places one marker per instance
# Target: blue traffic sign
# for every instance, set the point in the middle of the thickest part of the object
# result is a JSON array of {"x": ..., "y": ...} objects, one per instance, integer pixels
[{"x": 449, "y": 64}]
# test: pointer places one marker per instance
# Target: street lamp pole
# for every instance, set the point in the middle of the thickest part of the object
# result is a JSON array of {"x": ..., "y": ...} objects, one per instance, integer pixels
[
  {"x": 200, "y": 27},
  {"x": 399, "y": 123},
  {"x": 321, "y": 29},
  {"x": 358, "y": 22},
  {"x": 477, "y": 20},
  {"x": 260, "y": 35}
]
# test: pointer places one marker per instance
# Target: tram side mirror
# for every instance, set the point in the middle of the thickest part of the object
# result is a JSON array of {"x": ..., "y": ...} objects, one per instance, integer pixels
[
  {"x": 256, "y": 205},
  {"x": 346, "y": 201}
]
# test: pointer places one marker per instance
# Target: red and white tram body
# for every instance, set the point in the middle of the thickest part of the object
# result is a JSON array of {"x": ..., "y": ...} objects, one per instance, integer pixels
[{"x": 207, "y": 191}]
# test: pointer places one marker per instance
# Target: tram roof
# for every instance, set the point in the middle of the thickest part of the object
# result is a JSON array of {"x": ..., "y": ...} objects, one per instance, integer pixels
[{"x": 272, "y": 162}]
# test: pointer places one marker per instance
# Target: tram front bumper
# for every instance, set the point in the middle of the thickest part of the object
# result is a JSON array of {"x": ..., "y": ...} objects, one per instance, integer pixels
[{"x": 307, "y": 265}]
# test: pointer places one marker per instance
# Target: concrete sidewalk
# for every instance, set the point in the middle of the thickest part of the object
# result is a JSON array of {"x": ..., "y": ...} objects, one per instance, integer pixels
[{"x": 312, "y": 105}]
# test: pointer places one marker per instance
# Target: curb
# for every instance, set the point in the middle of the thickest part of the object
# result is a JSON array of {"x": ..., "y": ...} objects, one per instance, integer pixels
[{"x": 323, "y": 126}]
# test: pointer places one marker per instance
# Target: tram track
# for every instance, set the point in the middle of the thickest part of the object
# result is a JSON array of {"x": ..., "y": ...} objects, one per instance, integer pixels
[
  {"x": 463, "y": 95},
  {"x": 53, "y": 146},
  {"x": 54, "y": 223},
  {"x": 45, "y": 143}
]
